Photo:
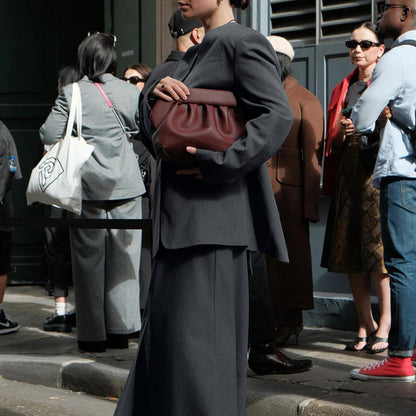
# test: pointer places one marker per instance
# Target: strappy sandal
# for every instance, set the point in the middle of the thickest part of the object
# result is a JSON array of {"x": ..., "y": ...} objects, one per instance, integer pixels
[
  {"x": 369, "y": 346},
  {"x": 351, "y": 345},
  {"x": 367, "y": 340}
]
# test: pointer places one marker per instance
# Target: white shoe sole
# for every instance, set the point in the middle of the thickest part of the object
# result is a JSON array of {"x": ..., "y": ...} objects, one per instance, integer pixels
[
  {"x": 4, "y": 331},
  {"x": 356, "y": 375}
]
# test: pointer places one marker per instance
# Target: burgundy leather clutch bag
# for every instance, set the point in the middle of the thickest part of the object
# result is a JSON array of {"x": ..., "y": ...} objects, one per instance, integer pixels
[{"x": 208, "y": 119}]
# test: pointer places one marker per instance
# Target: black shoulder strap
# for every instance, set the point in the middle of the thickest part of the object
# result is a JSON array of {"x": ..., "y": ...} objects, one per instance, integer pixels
[
  {"x": 408, "y": 131},
  {"x": 406, "y": 42}
]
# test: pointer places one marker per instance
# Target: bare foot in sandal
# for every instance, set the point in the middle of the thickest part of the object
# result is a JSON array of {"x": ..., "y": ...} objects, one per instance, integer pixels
[
  {"x": 377, "y": 345},
  {"x": 360, "y": 342}
]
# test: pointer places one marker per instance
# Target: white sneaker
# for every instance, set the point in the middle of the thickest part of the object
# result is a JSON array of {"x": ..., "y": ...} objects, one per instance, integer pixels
[{"x": 6, "y": 325}]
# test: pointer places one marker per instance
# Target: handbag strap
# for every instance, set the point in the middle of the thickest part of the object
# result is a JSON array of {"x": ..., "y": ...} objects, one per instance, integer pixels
[
  {"x": 75, "y": 111},
  {"x": 410, "y": 132},
  {"x": 110, "y": 105},
  {"x": 401, "y": 126}
]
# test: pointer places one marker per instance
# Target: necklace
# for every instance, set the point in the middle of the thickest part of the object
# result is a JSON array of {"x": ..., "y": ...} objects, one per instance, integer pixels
[{"x": 232, "y": 20}]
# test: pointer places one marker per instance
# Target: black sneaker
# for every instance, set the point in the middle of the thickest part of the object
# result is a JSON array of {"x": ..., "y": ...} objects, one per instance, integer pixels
[
  {"x": 57, "y": 323},
  {"x": 6, "y": 325}
]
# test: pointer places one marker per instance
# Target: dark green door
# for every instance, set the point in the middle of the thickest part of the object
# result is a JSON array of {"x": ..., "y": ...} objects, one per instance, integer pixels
[
  {"x": 37, "y": 38},
  {"x": 134, "y": 24}
]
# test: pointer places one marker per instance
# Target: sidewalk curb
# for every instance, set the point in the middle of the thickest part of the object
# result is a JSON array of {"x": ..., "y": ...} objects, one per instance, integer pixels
[
  {"x": 36, "y": 357},
  {"x": 268, "y": 398},
  {"x": 73, "y": 373},
  {"x": 93, "y": 378}
]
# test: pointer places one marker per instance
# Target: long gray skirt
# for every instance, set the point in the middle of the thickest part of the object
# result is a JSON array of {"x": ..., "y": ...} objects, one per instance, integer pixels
[{"x": 192, "y": 355}]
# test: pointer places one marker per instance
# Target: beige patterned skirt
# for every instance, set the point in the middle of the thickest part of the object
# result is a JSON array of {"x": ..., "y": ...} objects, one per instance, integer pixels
[{"x": 353, "y": 237}]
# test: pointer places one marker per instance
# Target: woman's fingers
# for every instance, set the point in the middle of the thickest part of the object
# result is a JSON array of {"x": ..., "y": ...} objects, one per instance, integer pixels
[
  {"x": 387, "y": 112},
  {"x": 191, "y": 150},
  {"x": 347, "y": 126},
  {"x": 169, "y": 89},
  {"x": 176, "y": 90}
]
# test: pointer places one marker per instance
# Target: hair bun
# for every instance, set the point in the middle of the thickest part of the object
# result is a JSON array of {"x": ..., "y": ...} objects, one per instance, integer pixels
[{"x": 240, "y": 4}]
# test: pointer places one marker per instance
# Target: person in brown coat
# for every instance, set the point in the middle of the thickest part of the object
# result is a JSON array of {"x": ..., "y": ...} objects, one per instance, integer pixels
[{"x": 295, "y": 173}]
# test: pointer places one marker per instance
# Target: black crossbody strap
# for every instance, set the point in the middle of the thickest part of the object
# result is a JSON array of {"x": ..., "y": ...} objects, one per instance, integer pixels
[
  {"x": 411, "y": 133},
  {"x": 406, "y": 42}
]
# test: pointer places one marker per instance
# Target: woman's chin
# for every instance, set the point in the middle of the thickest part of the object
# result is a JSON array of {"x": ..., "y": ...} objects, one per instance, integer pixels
[{"x": 362, "y": 63}]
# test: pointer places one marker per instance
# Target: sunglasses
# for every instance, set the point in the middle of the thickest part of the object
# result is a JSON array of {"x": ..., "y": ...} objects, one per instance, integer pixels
[
  {"x": 382, "y": 7},
  {"x": 134, "y": 80},
  {"x": 364, "y": 44},
  {"x": 113, "y": 38}
]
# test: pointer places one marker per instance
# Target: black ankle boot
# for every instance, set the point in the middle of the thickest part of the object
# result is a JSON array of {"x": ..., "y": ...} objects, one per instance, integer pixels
[{"x": 267, "y": 359}]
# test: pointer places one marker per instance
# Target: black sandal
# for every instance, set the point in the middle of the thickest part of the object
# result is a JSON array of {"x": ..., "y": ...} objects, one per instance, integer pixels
[
  {"x": 369, "y": 346},
  {"x": 367, "y": 340},
  {"x": 351, "y": 345}
]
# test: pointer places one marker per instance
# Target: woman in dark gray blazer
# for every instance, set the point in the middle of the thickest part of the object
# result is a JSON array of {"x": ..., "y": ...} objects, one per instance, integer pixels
[
  {"x": 105, "y": 262},
  {"x": 192, "y": 357}
]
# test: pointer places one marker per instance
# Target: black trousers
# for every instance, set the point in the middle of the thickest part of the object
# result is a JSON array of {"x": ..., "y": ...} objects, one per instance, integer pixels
[
  {"x": 5, "y": 251},
  {"x": 58, "y": 254},
  {"x": 261, "y": 322}
]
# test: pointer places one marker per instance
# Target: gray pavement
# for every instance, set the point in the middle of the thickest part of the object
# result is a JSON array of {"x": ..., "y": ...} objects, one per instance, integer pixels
[
  {"x": 22, "y": 399},
  {"x": 53, "y": 360}
]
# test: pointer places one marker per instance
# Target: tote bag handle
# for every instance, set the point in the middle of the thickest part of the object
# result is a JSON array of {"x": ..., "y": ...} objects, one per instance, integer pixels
[{"x": 75, "y": 111}]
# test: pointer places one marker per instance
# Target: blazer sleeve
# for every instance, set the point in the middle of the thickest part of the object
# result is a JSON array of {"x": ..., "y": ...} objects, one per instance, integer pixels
[
  {"x": 264, "y": 102},
  {"x": 54, "y": 127},
  {"x": 311, "y": 134},
  {"x": 5, "y": 132}
]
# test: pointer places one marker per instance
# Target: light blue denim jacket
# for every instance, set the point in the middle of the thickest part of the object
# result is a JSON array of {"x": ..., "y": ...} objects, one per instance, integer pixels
[{"x": 394, "y": 82}]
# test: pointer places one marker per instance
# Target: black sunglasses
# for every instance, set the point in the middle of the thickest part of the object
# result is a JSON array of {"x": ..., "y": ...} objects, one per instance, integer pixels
[
  {"x": 134, "y": 80},
  {"x": 364, "y": 44},
  {"x": 382, "y": 7},
  {"x": 113, "y": 38}
]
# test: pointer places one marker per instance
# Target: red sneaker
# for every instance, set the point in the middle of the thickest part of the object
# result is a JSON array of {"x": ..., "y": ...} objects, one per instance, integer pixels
[
  {"x": 391, "y": 368},
  {"x": 414, "y": 357}
]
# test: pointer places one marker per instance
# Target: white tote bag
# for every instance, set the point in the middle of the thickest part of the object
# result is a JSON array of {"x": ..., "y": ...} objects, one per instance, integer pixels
[{"x": 56, "y": 180}]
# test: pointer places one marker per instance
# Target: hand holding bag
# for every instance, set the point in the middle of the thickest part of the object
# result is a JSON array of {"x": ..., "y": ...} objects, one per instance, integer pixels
[
  {"x": 56, "y": 179},
  {"x": 208, "y": 119}
]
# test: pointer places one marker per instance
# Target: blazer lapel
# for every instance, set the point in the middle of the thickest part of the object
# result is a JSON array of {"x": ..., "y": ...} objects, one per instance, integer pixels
[{"x": 186, "y": 63}]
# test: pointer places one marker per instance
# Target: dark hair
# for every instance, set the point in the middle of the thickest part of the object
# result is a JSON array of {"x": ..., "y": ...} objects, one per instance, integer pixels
[
  {"x": 372, "y": 27},
  {"x": 97, "y": 56},
  {"x": 240, "y": 4},
  {"x": 68, "y": 75},
  {"x": 142, "y": 69},
  {"x": 284, "y": 62}
]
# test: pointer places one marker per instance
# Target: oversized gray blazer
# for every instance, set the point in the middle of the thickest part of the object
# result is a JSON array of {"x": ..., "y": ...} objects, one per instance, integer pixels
[
  {"x": 112, "y": 171},
  {"x": 234, "y": 204}
]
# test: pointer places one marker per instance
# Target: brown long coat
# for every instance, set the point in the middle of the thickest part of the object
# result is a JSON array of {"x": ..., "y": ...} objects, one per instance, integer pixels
[{"x": 295, "y": 173}]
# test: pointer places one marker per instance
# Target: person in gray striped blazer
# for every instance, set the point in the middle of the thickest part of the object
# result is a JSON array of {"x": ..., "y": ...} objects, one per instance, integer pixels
[{"x": 105, "y": 262}]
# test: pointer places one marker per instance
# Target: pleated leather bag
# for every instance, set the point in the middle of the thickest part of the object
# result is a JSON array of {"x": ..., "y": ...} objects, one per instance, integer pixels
[{"x": 208, "y": 119}]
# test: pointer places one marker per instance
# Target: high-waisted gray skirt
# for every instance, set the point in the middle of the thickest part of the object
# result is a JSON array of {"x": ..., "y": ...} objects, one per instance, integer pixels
[{"x": 192, "y": 355}]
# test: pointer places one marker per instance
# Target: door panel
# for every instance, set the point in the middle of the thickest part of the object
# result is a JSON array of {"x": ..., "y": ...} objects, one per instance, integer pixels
[
  {"x": 303, "y": 67},
  {"x": 38, "y": 37}
]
